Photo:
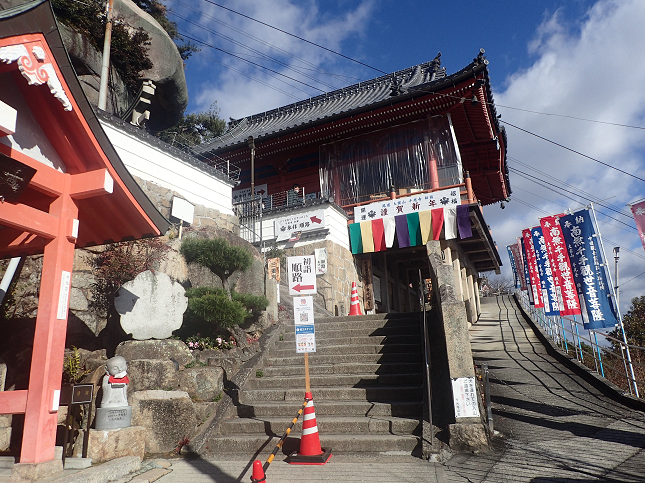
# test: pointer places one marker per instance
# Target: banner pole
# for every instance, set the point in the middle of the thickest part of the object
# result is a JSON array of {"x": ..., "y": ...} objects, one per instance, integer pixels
[
  {"x": 613, "y": 291},
  {"x": 307, "y": 384}
]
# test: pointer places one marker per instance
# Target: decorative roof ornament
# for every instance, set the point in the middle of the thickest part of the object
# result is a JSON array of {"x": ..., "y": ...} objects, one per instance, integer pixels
[
  {"x": 435, "y": 63},
  {"x": 481, "y": 58},
  {"x": 396, "y": 88}
]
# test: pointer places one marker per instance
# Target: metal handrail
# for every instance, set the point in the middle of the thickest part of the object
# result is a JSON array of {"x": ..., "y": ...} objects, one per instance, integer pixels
[
  {"x": 558, "y": 332},
  {"x": 426, "y": 353}
]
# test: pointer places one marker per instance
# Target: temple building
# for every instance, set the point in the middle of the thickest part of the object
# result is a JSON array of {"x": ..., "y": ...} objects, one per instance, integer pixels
[{"x": 402, "y": 144}]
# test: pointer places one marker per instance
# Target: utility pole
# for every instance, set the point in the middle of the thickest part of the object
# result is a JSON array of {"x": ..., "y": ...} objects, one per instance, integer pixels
[
  {"x": 616, "y": 250},
  {"x": 105, "y": 65}
]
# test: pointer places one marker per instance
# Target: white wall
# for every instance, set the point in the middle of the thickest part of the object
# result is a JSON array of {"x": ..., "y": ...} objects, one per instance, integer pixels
[
  {"x": 151, "y": 163},
  {"x": 335, "y": 222}
]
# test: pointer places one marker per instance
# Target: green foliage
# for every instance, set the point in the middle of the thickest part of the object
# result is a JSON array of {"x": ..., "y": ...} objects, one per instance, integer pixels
[
  {"x": 219, "y": 256},
  {"x": 119, "y": 263},
  {"x": 73, "y": 368},
  {"x": 254, "y": 303},
  {"x": 634, "y": 322},
  {"x": 197, "y": 342},
  {"x": 196, "y": 128},
  {"x": 218, "y": 397},
  {"x": 259, "y": 373},
  {"x": 218, "y": 309},
  {"x": 275, "y": 252},
  {"x": 195, "y": 363},
  {"x": 129, "y": 47}
]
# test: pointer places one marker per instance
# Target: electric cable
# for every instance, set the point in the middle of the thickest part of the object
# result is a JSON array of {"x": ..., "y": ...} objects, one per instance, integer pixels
[
  {"x": 240, "y": 44},
  {"x": 574, "y": 151},
  {"x": 248, "y": 61},
  {"x": 295, "y": 36},
  {"x": 312, "y": 67}
]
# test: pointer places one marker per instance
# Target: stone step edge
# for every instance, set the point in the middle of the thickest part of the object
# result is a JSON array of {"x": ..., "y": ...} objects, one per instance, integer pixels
[{"x": 108, "y": 471}]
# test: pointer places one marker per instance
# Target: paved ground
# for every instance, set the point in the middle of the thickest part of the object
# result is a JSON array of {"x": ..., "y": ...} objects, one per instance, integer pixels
[{"x": 554, "y": 427}]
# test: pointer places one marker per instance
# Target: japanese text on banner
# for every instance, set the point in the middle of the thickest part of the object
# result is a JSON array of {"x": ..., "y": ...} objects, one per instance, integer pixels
[{"x": 534, "y": 275}]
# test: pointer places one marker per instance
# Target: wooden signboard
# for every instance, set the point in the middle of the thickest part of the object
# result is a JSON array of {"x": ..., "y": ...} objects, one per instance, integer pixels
[{"x": 368, "y": 289}]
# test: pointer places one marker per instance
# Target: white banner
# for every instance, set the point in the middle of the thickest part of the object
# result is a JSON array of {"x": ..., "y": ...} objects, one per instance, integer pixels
[
  {"x": 301, "y": 222},
  {"x": 321, "y": 260},
  {"x": 402, "y": 206}
]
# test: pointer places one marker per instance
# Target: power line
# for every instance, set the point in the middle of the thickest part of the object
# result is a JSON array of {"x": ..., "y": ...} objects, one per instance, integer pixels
[
  {"x": 248, "y": 61},
  {"x": 295, "y": 36},
  {"x": 574, "y": 151},
  {"x": 634, "y": 278},
  {"x": 570, "y": 117},
  {"x": 312, "y": 67},
  {"x": 585, "y": 194},
  {"x": 240, "y": 44},
  {"x": 529, "y": 177}
]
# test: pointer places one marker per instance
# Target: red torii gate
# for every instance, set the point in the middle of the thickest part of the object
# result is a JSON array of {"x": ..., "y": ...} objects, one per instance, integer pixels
[{"x": 70, "y": 191}]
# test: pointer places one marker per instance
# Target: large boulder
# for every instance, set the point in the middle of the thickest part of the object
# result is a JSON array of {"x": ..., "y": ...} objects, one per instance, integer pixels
[
  {"x": 151, "y": 306},
  {"x": 202, "y": 383},
  {"x": 169, "y": 349},
  {"x": 168, "y": 416},
  {"x": 145, "y": 374},
  {"x": 108, "y": 444}
]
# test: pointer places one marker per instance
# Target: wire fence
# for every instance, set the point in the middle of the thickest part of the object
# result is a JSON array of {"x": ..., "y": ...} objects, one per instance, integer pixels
[{"x": 620, "y": 363}]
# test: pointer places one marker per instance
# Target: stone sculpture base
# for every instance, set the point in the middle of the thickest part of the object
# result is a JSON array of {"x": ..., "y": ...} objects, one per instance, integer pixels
[
  {"x": 113, "y": 418},
  {"x": 108, "y": 444}
]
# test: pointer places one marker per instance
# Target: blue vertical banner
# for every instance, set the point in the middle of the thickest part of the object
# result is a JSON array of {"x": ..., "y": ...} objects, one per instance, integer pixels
[
  {"x": 549, "y": 293},
  {"x": 588, "y": 271},
  {"x": 527, "y": 275},
  {"x": 512, "y": 259}
]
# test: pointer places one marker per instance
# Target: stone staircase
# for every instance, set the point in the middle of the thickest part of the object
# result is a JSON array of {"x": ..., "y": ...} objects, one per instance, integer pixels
[{"x": 366, "y": 380}]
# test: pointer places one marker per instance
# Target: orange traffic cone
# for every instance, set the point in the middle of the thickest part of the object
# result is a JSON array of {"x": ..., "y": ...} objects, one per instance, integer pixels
[
  {"x": 310, "y": 451},
  {"x": 355, "y": 306},
  {"x": 258, "y": 472}
]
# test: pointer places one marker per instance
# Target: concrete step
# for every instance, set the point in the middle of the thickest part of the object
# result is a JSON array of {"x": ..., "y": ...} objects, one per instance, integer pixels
[
  {"x": 372, "y": 394},
  {"x": 288, "y": 410},
  {"x": 340, "y": 355},
  {"x": 324, "y": 341},
  {"x": 396, "y": 351},
  {"x": 340, "y": 443},
  {"x": 384, "y": 318},
  {"x": 351, "y": 331},
  {"x": 352, "y": 368},
  {"x": 337, "y": 380},
  {"x": 326, "y": 425},
  {"x": 336, "y": 323}
]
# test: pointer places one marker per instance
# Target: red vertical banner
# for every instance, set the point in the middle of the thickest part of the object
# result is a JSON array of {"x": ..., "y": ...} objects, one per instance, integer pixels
[
  {"x": 560, "y": 266},
  {"x": 531, "y": 262},
  {"x": 638, "y": 210}
]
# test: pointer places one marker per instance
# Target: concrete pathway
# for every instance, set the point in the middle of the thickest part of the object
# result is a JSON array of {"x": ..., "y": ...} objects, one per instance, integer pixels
[{"x": 554, "y": 427}]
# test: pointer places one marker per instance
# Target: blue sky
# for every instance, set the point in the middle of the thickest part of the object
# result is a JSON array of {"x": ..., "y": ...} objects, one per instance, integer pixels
[{"x": 574, "y": 58}]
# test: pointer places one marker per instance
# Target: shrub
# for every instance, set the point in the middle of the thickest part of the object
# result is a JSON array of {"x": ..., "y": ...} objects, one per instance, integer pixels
[
  {"x": 218, "y": 309},
  {"x": 254, "y": 303}
]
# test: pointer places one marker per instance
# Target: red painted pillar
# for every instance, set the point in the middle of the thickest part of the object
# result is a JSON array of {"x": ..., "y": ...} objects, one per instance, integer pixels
[
  {"x": 49, "y": 339},
  {"x": 434, "y": 174}
]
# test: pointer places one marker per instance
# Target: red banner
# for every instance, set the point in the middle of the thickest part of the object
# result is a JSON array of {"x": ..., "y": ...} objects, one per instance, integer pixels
[
  {"x": 531, "y": 262},
  {"x": 519, "y": 264},
  {"x": 638, "y": 210},
  {"x": 560, "y": 266}
]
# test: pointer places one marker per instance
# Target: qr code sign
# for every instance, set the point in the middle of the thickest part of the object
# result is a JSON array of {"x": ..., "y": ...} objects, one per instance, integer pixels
[{"x": 304, "y": 317}]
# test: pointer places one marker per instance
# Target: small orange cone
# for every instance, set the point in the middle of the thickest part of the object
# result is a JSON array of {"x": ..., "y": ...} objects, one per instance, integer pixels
[
  {"x": 310, "y": 451},
  {"x": 355, "y": 306},
  {"x": 258, "y": 472}
]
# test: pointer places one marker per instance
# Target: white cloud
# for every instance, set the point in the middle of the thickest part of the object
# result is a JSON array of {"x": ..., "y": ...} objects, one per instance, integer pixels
[
  {"x": 232, "y": 84},
  {"x": 591, "y": 70}
]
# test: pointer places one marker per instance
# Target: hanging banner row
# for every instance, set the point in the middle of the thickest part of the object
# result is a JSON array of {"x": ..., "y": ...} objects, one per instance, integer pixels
[{"x": 560, "y": 261}]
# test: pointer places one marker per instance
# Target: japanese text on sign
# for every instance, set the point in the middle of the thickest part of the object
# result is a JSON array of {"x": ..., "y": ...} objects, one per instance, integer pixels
[
  {"x": 302, "y": 275},
  {"x": 410, "y": 204},
  {"x": 465, "y": 397}
]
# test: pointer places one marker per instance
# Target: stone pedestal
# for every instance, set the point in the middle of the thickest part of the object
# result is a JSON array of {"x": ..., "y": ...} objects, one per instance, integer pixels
[
  {"x": 113, "y": 418},
  {"x": 106, "y": 445},
  {"x": 37, "y": 471}
]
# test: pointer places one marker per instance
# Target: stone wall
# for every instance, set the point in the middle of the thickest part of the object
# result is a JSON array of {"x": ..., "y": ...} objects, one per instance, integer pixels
[
  {"x": 335, "y": 287},
  {"x": 204, "y": 217}
]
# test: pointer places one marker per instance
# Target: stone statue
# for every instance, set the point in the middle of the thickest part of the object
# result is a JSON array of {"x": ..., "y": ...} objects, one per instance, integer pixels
[
  {"x": 114, "y": 412},
  {"x": 115, "y": 383}
]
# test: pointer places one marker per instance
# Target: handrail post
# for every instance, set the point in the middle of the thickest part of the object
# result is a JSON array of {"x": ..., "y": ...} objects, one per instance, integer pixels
[
  {"x": 426, "y": 343},
  {"x": 489, "y": 409}
]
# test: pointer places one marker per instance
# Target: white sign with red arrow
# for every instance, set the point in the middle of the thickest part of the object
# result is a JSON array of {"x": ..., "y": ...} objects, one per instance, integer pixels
[
  {"x": 301, "y": 272},
  {"x": 300, "y": 222}
]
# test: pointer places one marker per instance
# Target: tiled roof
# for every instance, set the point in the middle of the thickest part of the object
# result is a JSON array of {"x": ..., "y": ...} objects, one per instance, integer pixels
[{"x": 330, "y": 104}]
